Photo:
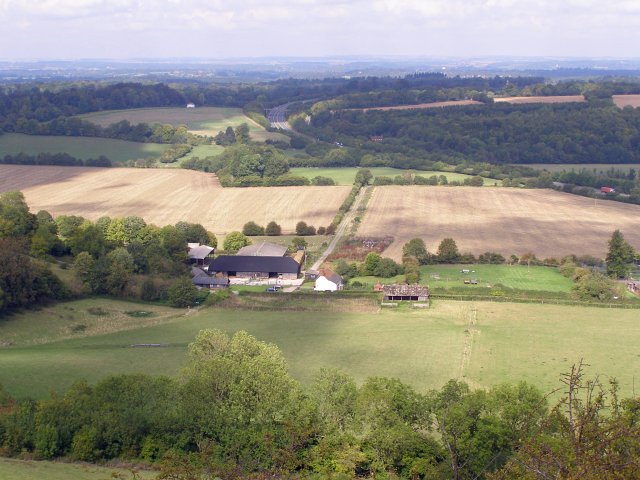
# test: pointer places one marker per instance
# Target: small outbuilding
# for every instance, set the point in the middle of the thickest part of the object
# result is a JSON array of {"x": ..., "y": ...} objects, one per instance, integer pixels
[
  {"x": 416, "y": 293},
  {"x": 199, "y": 253},
  {"x": 328, "y": 282},
  {"x": 191, "y": 105}
]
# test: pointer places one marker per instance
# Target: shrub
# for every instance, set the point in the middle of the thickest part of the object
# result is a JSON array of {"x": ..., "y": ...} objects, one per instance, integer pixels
[
  {"x": 320, "y": 180},
  {"x": 322, "y": 230},
  {"x": 235, "y": 241},
  {"x": 182, "y": 293},
  {"x": 303, "y": 229},
  {"x": 252, "y": 229},
  {"x": 273, "y": 229}
]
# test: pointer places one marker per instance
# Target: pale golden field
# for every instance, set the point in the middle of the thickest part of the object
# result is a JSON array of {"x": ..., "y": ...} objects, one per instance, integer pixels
[
  {"x": 503, "y": 220},
  {"x": 549, "y": 99},
  {"x": 166, "y": 196},
  {"x": 451, "y": 103},
  {"x": 627, "y": 101}
]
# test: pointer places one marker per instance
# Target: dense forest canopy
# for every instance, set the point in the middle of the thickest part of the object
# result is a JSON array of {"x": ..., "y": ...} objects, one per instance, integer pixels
[{"x": 494, "y": 133}]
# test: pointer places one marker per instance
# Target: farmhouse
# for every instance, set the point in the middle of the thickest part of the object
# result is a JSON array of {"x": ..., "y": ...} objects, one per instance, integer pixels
[
  {"x": 263, "y": 249},
  {"x": 191, "y": 105},
  {"x": 328, "y": 282},
  {"x": 247, "y": 266},
  {"x": 414, "y": 293}
]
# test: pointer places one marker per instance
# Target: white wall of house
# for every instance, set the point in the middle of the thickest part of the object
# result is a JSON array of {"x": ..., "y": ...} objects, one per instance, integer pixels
[{"x": 323, "y": 284}]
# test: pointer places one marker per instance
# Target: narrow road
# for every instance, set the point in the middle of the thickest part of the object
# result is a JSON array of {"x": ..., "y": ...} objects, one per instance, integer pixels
[{"x": 342, "y": 228}]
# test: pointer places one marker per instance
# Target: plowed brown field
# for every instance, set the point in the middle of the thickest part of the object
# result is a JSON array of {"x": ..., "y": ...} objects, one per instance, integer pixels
[
  {"x": 163, "y": 196},
  {"x": 627, "y": 101},
  {"x": 504, "y": 220}
]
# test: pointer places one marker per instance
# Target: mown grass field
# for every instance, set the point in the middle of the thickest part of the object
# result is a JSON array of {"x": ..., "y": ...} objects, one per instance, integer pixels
[
  {"x": 483, "y": 343},
  {"x": 520, "y": 277},
  {"x": 201, "y": 121},
  {"x": 11, "y": 469},
  {"x": 346, "y": 176},
  {"x": 79, "y": 147}
]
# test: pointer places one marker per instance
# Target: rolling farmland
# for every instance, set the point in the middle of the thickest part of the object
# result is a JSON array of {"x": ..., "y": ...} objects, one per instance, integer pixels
[
  {"x": 200, "y": 121},
  {"x": 79, "y": 147},
  {"x": 166, "y": 196},
  {"x": 548, "y": 223}
]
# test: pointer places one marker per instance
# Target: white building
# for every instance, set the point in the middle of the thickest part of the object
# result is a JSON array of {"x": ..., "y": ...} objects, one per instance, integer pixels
[{"x": 328, "y": 282}]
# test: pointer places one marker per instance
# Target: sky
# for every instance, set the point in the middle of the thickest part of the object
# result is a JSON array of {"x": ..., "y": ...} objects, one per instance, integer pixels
[{"x": 122, "y": 29}]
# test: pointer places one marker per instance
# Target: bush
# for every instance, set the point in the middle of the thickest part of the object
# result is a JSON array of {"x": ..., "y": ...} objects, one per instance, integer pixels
[
  {"x": 491, "y": 257},
  {"x": 252, "y": 229},
  {"x": 298, "y": 242},
  {"x": 182, "y": 293},
  {"x": 273, "y": 229},
  {"x": 322, "y": 230},
  {"x": 303, "y": 229},
  {"x": 320, "y": 180},
  {"x": 594, "y": 286},
  {"x": 235, "y": 241}
]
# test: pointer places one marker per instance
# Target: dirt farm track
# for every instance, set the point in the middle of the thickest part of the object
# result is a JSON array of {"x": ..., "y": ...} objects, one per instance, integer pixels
[
  {"x": 166, "y": 196},
  {"x": 504, "y": 220}
]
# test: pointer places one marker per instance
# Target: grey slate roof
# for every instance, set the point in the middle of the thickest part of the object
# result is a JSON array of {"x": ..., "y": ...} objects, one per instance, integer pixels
[
  {"x": 332, "y": 276},
  {"x": 263, "y": 249},
  {"x": 201, "y": 252},
  {"x": 207, "y": 280},
  {"x": 406, "y": 290},
  {"x": 241, "y": 263}
]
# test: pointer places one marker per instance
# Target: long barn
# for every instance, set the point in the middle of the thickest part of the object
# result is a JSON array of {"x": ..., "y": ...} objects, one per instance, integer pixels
[{"x": 250, "y": 266}]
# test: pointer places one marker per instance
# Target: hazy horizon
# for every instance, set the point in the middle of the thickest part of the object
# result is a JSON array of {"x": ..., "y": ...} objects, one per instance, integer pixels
[{"x": 212, "y": 29}]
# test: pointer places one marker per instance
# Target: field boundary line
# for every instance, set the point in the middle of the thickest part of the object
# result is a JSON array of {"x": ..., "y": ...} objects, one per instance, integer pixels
[{"x": 470, "y": 333}]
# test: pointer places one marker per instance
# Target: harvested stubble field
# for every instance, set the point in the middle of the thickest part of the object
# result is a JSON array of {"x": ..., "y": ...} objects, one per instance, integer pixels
[
  {"x": 503, "y": 220},
  {"x": 627, "y": 101},
  {"x": 165, "y": 197},
  {"x": 547, "y": 99}
]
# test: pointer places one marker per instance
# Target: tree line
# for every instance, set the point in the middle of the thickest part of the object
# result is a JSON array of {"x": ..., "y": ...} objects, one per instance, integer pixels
[
  {"x": 234, "y": 411},
  {"x": 124, "y": 257}
]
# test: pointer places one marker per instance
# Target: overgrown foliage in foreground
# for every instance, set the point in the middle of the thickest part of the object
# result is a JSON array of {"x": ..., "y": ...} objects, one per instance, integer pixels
[{"x": 234, "y": 411}]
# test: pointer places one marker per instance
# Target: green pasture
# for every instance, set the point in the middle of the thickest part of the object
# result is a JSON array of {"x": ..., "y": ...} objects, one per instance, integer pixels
[
  {"x": 503, "y": 342},
  {"x": 79, "y": 147},
  {"x": 346, "y": 176},
  {"x": 521, "y": 277},
  {"x": 32, "y": 470},
  {"x": 200, "y": 120},
  {"x": 571, "y": 167}
]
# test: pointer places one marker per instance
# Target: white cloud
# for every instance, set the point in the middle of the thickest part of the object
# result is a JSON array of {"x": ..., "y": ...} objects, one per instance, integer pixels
[{"x": 296, "y": 27}]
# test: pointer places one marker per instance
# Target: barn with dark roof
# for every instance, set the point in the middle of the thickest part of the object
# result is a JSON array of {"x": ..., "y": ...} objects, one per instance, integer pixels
[{"x": 250, "y": 266}]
